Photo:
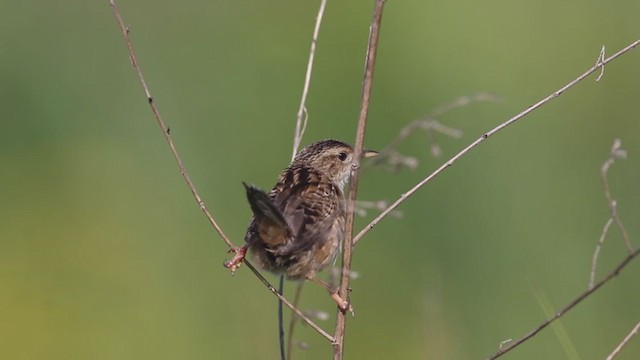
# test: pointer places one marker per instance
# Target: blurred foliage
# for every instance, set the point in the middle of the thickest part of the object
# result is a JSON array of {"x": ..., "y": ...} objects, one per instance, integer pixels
[{"x": 105, "y": 255}]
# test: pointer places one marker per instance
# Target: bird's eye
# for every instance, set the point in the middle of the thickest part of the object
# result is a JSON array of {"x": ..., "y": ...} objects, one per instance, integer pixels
[{"x": 342, "y": 156}]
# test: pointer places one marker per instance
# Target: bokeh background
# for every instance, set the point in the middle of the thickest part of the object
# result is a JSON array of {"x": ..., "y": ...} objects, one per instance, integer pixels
[{"x": 105, "y": 255}]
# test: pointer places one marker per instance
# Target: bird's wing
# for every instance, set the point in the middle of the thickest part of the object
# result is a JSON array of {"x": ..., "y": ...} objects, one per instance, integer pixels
[{"x": 310, "y": 209}]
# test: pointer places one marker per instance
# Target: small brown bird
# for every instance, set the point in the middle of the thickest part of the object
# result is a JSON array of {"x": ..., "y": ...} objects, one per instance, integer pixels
[{"x": 299, "y": 225}]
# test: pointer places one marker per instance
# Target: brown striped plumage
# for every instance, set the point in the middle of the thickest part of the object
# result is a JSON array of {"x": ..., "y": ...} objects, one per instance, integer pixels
[
  {"x": 298, "y": 226},
  {"x": 309, "y": 196}
]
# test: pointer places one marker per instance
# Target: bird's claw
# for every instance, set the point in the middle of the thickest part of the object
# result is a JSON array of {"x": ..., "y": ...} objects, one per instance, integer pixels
[{"x": 238, "y": 258}]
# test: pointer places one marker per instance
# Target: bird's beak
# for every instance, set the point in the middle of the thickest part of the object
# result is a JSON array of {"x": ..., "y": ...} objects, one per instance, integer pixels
[{"x": 369, "y": 153}]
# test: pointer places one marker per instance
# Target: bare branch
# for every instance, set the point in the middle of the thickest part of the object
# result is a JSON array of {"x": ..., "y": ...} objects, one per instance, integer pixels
[
  {"x": 624, "y": 342},
  {"x": 301, "y": 118},
  {"x": 163, "y": 127},
  {"x": 617, "y": 152},
  {"x": 558, "y": 328},
  {"x": 512, "y": 345},
  {"x": 347, "y": 248},
  {"x": 486, "y": 135},
  {"x": 185, "y": 174},
  {"x": 270, "y": 287},
  {"x": 596, "y": 252}
]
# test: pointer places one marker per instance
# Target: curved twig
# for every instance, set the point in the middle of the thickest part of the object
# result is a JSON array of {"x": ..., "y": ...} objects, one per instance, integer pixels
[
  {"x": 187, "y": 179},
  {"x": 165, "y": 130}
]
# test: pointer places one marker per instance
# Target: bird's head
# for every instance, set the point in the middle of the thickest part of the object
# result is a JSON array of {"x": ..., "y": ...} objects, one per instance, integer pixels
[{"x": 331, "y": 158}]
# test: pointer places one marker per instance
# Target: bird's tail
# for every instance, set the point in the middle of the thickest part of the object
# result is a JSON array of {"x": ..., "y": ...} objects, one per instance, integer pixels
[{"x": 272, "y": 226}]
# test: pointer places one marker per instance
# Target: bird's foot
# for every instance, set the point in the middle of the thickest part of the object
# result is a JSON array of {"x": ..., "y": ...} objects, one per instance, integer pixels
[
  {"x": 238, "y": 258},
  {"x": 343, "y": 305}
]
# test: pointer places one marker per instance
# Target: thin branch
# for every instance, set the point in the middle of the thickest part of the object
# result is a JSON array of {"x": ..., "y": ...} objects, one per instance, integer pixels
[
  {"x": 617, "y": 152},
  {"x": 512, "y": 345},
  {"x": 558, "y": 328},
  {"x": 289, "y": 305},
  {"x": 294, "y": 320},
  {"x": 185, "y": 174},
  {"x": 596, "y": 252},
  {"x": 165, "y": 130},
  {"x": 347, "y": 246},
  {"x": 281, "y": 319},
  {"x": 486, "y": 135},
  {"x": 301, "y": 118},
  {"x": 624, "y": 342}
]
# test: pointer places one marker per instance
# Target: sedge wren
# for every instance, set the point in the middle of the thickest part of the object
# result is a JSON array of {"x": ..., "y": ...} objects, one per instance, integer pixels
[{"x": 299, "y": 225}]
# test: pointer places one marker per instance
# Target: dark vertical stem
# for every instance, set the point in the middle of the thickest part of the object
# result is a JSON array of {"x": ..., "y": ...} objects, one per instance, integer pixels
[{"x": 281, "y": 320}]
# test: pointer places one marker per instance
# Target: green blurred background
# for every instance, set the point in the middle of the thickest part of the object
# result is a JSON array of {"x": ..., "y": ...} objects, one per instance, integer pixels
[{"x": 105, "y": 255}]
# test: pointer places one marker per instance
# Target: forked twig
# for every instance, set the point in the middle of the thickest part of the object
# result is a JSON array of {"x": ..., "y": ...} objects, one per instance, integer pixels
[
  {"x": 185, "y": 174},
  {"x": 486, "y": 135},
  {"x": 617, "y": 152}
]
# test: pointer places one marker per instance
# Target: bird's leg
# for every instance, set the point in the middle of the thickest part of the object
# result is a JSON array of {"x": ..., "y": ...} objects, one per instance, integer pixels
[
  {"x": 238, "y": 258},
  {"x": 343, "y": 305}
]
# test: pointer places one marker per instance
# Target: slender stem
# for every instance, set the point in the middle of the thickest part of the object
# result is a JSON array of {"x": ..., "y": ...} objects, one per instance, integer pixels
[
  {"x": 165, "y": 130},
  {"x": 302, "y": 316},
  {"x": 302, "y": 109},
  {"x": 281, "y": 320},
  {"x": 372, "y": 49},
  {"x": 301, "y": 124},
  {"x": 617, "y": 152},
  {"x": 493, "y": 131}
]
